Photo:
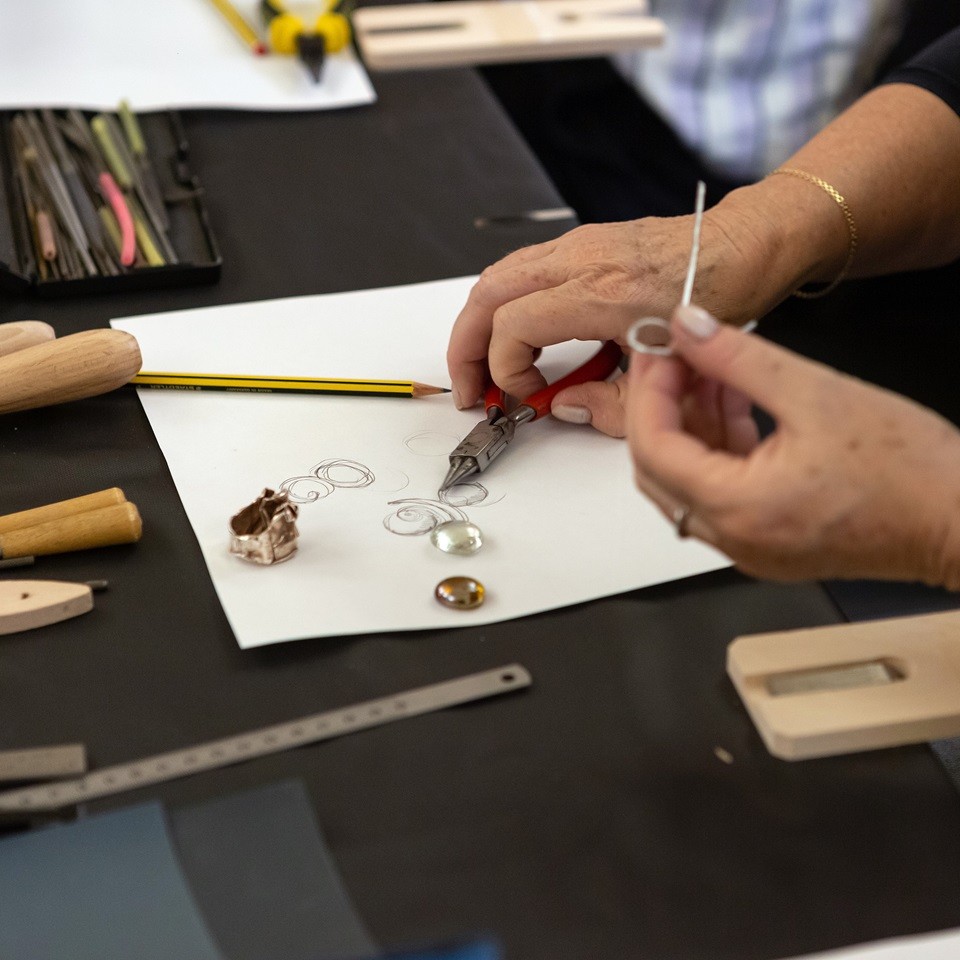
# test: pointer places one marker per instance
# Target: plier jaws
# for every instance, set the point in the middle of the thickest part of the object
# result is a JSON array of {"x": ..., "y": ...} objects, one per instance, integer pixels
[
  {"x": 489, "y": 438},
  {"x": 484, "y": 443}
]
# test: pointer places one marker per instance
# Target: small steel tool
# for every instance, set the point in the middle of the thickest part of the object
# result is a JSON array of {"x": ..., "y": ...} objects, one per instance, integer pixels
[
  {"x": 489, "y": 438},
  {"x": 267, "y": 740}
]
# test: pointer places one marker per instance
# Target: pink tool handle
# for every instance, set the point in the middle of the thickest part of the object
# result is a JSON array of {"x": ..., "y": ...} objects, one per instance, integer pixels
[{"x": 128, "y": 239}]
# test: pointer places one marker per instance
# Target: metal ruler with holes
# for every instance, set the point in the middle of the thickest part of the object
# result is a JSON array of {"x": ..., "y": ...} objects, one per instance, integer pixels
[{"x": 259, "y": 743}]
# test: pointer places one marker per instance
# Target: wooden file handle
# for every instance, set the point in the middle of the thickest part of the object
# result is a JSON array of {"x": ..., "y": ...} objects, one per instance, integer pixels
[
  {"x": 26, "y": 333},
  {"x": 63, "y": 508},
  {"x": 71, "y": 368},
  {"x": 94, "y": 528}
]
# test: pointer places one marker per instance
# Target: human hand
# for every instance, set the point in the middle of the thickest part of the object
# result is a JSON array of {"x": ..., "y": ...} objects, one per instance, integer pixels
[
  {"x": 854, "y": 482},
  {"x": 589, "y": 284}
]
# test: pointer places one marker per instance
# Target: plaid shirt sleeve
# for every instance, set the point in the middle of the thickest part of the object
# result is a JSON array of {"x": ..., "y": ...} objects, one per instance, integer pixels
[{"x": 745, "y": 83}]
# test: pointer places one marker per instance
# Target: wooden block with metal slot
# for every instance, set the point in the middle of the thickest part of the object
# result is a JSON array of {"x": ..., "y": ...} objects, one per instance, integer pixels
[
  {"x": 856, "y": 686},
  {"x": 70, "y": 368},
  {"x": 472, "y": 32}
]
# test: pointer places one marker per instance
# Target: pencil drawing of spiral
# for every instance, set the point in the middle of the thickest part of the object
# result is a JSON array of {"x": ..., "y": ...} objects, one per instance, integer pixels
[
  {"x": 325, "y": 477},
  {"x": 332, "y": 471},
  {"x": 464, "y": 494},
  {"x": 415, "y": 517},
  {"x": 307, "y": 489}
]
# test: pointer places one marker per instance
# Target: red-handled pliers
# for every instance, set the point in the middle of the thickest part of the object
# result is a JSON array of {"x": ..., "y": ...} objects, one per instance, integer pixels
[{"x": 489, "y": 437}]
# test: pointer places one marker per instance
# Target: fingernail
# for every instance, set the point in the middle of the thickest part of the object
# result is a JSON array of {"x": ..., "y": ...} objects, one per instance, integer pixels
[
  {"x": 697, "y": 322},
  {"x": 571, "y": 414},
  {"x": 458, "y": 398}
]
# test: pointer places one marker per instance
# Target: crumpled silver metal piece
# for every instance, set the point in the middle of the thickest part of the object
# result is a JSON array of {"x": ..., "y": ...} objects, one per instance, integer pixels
[{"x": 266, "y": 530}]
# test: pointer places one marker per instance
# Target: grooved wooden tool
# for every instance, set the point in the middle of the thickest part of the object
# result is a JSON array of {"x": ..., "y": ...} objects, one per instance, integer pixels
[
  {"x": 105, "y": 527},
  {"x": 69, "y": 368},
  {"x": 61, "y": 509}
]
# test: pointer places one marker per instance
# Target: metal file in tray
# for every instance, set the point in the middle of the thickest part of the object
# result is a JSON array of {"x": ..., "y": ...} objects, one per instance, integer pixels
[{"x": 189, "y": 232}]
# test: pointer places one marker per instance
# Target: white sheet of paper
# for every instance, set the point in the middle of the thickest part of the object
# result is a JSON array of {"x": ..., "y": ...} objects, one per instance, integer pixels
[
  {"x": 562, "y": 520},
  {"x": 934, "y": 946},
  {"x": 157, "y": 54}
]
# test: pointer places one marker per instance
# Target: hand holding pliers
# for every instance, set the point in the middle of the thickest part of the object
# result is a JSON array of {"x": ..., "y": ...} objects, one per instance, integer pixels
[{"x": 488, "y": 439}]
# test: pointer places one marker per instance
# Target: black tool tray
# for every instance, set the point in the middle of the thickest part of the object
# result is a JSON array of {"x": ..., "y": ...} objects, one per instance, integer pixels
[{"x": 189, "y": 232}]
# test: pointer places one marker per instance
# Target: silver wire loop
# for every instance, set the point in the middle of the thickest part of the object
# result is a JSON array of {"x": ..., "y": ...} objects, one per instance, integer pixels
[{"x": 656, "y": 329}]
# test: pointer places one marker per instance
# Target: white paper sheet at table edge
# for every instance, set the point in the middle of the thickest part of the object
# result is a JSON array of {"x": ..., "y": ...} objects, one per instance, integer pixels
[
  {"x": 928, "y": 946},
  {"x": 606, "y": 544},
  {"x": 175, "y": 54}
]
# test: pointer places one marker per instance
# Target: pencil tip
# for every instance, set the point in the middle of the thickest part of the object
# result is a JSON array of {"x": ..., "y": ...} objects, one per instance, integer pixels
[{"x": 428, "y": 390}]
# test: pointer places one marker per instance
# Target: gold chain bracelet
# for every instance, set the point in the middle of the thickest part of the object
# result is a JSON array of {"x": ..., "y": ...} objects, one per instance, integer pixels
[{"x": 847, "y": 216}]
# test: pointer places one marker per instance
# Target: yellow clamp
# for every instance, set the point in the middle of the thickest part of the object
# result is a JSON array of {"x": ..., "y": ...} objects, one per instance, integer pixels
[{"x": 285, "y": 28}]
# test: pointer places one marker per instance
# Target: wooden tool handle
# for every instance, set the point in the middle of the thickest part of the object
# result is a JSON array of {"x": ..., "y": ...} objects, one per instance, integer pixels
[
  {"x": 63, "y": 508},
  {"x": 71, "y": 368},
  {"x": 93, "y": 528},
  {"x": 26, "y": 333}
]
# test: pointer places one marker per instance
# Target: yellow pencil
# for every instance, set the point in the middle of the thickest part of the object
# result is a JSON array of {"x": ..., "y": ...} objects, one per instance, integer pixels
[
  {"x": 163, "y": 380},
  {"x": 240, "y": 25}
]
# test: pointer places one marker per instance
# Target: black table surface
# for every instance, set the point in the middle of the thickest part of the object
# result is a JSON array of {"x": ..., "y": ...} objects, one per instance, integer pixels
[{"x": 586, "y": 817}]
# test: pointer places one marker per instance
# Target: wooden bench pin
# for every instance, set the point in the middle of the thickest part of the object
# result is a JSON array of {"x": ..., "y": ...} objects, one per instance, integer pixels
[{"x": 855, "y": 686}]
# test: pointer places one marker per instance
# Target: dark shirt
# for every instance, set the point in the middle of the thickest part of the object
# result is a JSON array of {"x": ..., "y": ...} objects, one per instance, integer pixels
[{"x": 936, "y": 69}]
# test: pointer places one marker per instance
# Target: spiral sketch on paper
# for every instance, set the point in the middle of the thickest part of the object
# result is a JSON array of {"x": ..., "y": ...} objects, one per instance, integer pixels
[
  {"x": 429, "y": 443},
  {"x": 417, "y": 516},
  {"x": 325, "y": 477},
  {"x": 411, "y": 516}
]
